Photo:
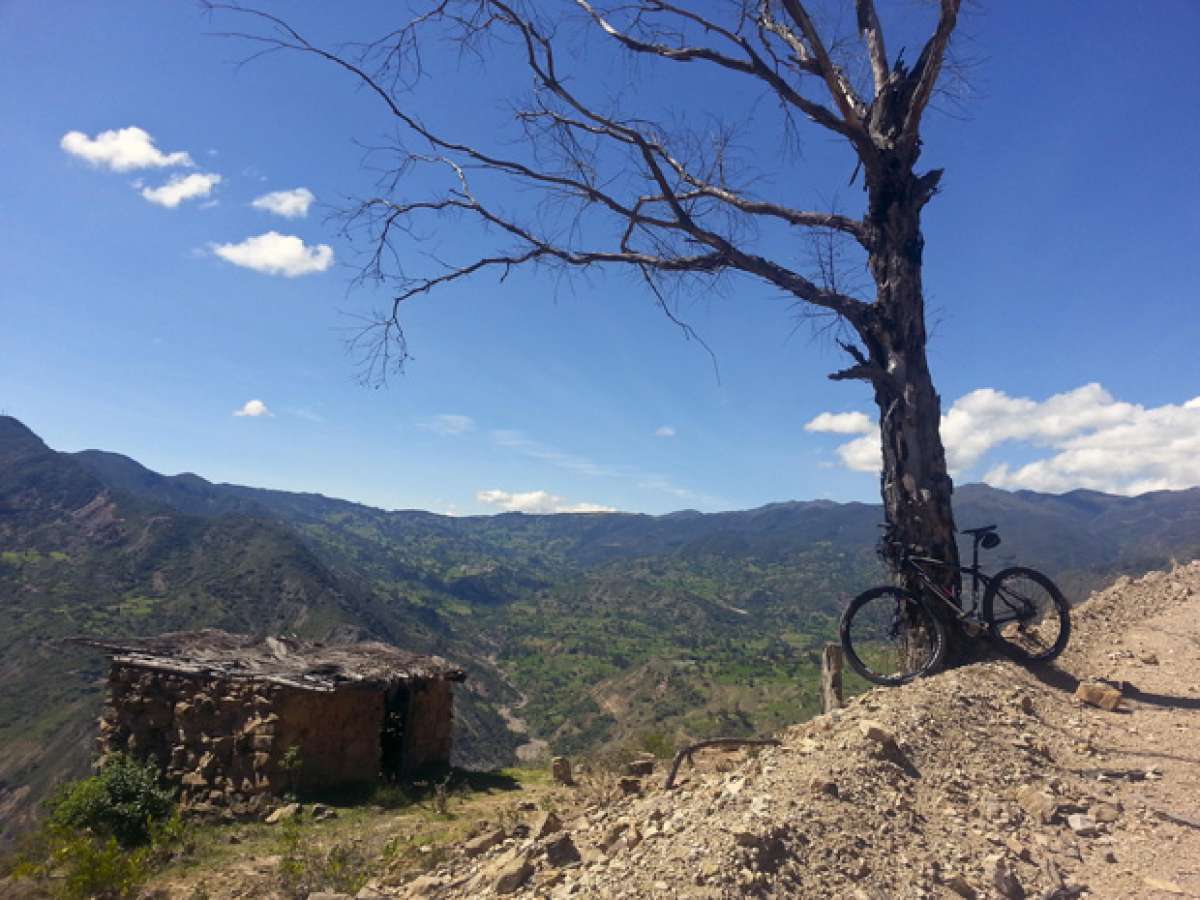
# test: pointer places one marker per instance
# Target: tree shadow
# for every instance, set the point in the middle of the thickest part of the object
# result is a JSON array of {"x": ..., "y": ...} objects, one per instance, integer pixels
[{"x": 1052, "y": 676}]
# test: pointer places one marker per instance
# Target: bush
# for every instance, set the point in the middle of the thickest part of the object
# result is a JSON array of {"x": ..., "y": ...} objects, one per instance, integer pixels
[
  {"x": 657, "y": 742},
  {"x": 305, "y": 868},
  {"x": 74, "y": 865},
  {"x": 122, "y": 802},
  {"x": 95, "y": 868}
]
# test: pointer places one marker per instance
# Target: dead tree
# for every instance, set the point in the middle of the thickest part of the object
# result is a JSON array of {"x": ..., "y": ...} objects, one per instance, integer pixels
[{"x": 667, "y": 204}]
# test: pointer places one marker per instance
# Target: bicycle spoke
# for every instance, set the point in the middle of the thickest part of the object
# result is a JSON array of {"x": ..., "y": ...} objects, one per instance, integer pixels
[
  {"x": 1026, "y": 615},
  {"x": 890, "y": 638}
]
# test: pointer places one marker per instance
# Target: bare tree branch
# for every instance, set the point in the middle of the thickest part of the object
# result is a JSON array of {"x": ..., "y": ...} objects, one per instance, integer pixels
[
  {"x": 925, "y": 73},
  {"x": 754, "y": 64},
  {"x": 851, "y": 105},
  {"x": 686, "y": 217},
  {"x": 872, "y": 33}
]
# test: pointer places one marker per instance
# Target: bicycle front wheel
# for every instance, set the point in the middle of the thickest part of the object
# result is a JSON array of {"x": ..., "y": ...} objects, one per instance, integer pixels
[
  {"x": 1027, "y": 614},
  {"x": 890, "y": 636}
]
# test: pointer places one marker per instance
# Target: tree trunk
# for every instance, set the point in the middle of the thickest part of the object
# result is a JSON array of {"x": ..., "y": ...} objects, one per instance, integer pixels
[{"x": 914, "y": 482}]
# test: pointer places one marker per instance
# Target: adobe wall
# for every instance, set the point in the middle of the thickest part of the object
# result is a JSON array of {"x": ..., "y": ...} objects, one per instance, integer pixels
[
  {"x": 430, "y": 726},
  {"x": 224, "y": 741},
  {"x": 336, "y": 735}
]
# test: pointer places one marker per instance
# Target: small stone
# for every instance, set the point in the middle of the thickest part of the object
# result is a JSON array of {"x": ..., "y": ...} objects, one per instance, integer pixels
[
  {"x": 1104, "y": 812},
  {"x": 509, "y": 872},
  {"x": 291, "y": 811},
  {"x": 1002, "y": 878},
  {"x": 1039, "y": 805},
  {"x": 613, "y": 834},
  {"x": 418, "y": 887},
  {"x": 1148, "y": 659},
  {"x": 640, "y": 767},
  {"x": 560, "y": 770},
  {"x": 545, "y": 824},
  {"x": 873, "y": 731},
  {"x": 960, "y": 886},
  {"x": 561, "y": 850},
  {"x": 1101, "y": 695},
  {"x": 483, "y": 842},
  {"x": 320, "y": 812},
  {"x": 823, "y": 787},
  {"x": 1017, "y": 849},
  {"x": 629, "y": 785},
  {"x": 1084, "y": 826}
]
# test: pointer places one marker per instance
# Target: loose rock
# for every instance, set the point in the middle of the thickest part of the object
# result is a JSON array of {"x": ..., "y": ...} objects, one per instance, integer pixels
[
  {"x": 291, "y": 811},
  {"x": 1101, "y": 695}
]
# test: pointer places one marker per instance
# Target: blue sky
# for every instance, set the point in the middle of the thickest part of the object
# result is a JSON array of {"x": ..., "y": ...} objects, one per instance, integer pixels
[{"x": 1060, "y": 271}]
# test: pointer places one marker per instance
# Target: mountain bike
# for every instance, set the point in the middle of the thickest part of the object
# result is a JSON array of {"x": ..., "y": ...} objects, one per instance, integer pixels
[{"x": 891, "y": 635}]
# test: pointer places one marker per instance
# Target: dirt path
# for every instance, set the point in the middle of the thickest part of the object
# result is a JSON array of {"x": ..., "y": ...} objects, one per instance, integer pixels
[{"x": 1158, "y": 659}]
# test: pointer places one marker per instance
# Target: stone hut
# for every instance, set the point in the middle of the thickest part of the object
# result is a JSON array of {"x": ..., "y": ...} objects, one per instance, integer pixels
[{"x": 233, "y": 719}]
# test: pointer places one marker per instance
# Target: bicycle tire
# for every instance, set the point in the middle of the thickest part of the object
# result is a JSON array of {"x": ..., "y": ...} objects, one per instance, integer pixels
[
  {"x": 1016, "y": 643},
  {"x": 873, "y": 621}
]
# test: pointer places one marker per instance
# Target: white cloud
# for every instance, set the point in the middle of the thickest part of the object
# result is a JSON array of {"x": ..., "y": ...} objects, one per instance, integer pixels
[
  {"x": 841, "y": 423},
  {"x": 540, "y": 502},
  {"x": 292, "y": 204},
  {"x": 277, "y": 254},
  {"x": 1088, "y": 439},
  {"x": 448, "y": 424},
  {"x": 664, "y": 431},
  {"x": 122, "y": 150},
  {"x": 254, "y": 409},
  {"x": 182, "y": 187}
]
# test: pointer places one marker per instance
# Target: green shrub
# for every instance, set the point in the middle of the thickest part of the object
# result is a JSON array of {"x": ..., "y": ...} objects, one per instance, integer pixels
[
  {"x": 121, "y": 802},
  {"x": 657, "y": 742},
  {"x": 99, "y": 868},
  {"x": 306, "y": 868},
  {"x": 76, "y": 866}
]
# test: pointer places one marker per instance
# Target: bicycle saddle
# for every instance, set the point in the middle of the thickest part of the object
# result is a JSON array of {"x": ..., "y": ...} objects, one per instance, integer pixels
[
  {"x": 980, "y": 530},
  {"x": 985, "y": 535}
]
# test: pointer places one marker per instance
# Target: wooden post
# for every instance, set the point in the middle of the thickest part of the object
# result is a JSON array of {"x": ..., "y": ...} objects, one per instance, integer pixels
[{"x": 831, "y": 677}]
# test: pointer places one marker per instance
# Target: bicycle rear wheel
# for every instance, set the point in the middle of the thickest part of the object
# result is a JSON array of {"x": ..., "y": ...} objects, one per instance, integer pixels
[
  {"x": 1027, "y": 614},
  {"x": 890, "y": 636}
]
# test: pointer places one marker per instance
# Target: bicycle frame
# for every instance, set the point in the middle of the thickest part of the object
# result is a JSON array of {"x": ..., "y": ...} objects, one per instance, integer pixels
[
  {"x": 979, "y": 579},
  {"x": 950, "y": 598}
]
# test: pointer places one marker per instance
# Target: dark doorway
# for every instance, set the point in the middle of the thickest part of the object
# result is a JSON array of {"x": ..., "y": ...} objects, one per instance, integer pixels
[{"x": 395, "y": 719}]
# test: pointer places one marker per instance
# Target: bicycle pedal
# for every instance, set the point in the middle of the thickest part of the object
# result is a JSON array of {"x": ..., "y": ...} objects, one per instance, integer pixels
[{"x": 973, "y": 629}]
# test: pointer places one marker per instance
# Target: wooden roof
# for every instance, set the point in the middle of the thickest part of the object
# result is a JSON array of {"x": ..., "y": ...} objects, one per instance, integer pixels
[{"x": 287, "y": 661}]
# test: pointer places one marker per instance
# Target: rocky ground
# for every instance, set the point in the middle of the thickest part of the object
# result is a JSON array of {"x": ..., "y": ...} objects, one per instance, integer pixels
[{"x": 987, "y": 781}]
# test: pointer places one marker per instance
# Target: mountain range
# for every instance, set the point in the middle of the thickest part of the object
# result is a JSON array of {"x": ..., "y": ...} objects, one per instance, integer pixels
[{"x": 597, "y": 630}]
